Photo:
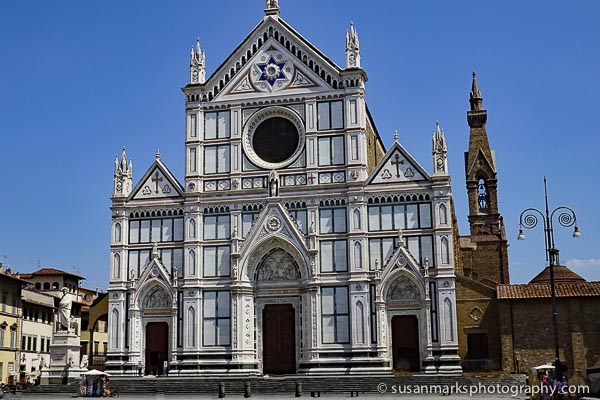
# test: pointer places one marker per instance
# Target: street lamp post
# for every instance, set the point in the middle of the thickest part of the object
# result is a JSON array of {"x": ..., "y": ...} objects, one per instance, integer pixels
[{"x": 566, "y": 218}]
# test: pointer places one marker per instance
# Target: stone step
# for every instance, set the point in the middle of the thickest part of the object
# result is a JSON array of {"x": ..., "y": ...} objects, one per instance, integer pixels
[{"x": 236, "y": 385}]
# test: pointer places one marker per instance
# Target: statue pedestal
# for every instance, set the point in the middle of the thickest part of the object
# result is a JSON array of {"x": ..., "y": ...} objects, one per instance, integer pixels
[{"x": 64, "y": 360}]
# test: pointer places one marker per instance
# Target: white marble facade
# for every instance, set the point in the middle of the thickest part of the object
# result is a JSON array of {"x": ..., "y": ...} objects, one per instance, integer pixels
[{"x": 289, "y": 199}]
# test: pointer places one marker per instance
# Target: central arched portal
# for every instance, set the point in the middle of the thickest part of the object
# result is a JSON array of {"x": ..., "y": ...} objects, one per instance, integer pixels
[
  {"x": 277, "y": 298},
  {"x": 157, "y": 347}
]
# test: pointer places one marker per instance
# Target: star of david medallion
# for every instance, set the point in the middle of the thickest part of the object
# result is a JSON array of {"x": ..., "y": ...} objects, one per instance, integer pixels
[
  {"x": 271, "y": 71},
  {"x": 273, "y": 223}
]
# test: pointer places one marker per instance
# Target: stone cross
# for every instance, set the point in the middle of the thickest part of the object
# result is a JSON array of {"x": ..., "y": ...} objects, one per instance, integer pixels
[
  {"x": 157, "y": 178},
  {"x": 397, "y": 163}
]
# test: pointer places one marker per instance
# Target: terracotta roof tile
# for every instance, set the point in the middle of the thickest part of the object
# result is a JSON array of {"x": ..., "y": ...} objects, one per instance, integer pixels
[{"x": 542, "y": 290}]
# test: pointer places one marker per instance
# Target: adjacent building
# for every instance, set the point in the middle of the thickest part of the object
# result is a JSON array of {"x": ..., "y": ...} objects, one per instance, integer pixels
[
  {"x": 10, "y": 325},
  {"x": 295, "y": 242}
]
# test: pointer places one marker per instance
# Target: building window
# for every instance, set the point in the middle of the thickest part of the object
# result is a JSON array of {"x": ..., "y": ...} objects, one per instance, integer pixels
[
  {"x": 421, "y": 247},
  {"x": 332, "y": 220},
  {"x": 301, "y": 218},
  {"x": 191, "y": 324},
  {"x": 360, "y": 323},
  {"x": 114, "y": 334},
  {"x": 192, "y": 259},
  {"x": 216, "y": 261},
  {"x": 118, "y": 232},
  {"x": 399, "y": 216},
  {"x": 331, "y": 151},
  {"x": 445, "y": 251},
  {"x": 373, "y": 313},
  {"x": 4, "y": 301},
  {"x": 330, "y": 115},
  {"x": 248, "y": 219},
  {"x": 156, "y": 230},
  {"x": 482, "y": 196},
  {"x": 193, "y": 160},
  {"x": 216, "y": 319},
  {"x": 334, "y": 256},
  {"x": 13, "y": 336},
  {"x": 217, "y": 125},
  {"x": 216, "y": 159},
  {"x": 217, "y": 227},
  {"x": 192, "y": 229},
  {"x": 116, "y": 266},
  {"x": 193, "y": 128},
  {"x": 2, "y": 335},
  {"x": 335, "y": 319},
  {"x": 380, "y": 250}
]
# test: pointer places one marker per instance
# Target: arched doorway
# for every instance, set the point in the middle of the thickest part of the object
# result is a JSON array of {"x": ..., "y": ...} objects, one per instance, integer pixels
[
  {"x": 405, "y": 343},
  {"x": 157, "y": 347},
  {"x": 278, "y": 315}
]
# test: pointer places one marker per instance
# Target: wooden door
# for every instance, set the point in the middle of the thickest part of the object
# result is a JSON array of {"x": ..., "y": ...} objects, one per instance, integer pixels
[
  {"x": 157, "y": 347},
  {"x": 279, "y": 339},
  {"x": 405, "y": 343}
]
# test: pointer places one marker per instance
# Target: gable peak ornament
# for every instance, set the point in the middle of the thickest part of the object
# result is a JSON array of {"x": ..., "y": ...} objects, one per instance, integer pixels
[
  {"x": 352, "y": 48},
  {"x": 439, "y": 151},
  {"x": 123, "y": 175},
  {"x": 197, "y": 64},
  {"x": 272, "y": 7}
]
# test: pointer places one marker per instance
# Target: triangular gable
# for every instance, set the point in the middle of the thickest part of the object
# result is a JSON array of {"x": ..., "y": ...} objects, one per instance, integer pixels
[
  {"x": 272, "y": 70},
  {"x": 274, "y": 227},
  {"x": 155, "y": 270},
  {"x": 402, "y": 258},
  {"x": 398, "y": 166},
  {"x": 232, "y": 74},
  {"x": 275, "y": 219},
  {"x": 480, "y": 162},
  {"x": 157, "y": 183}
]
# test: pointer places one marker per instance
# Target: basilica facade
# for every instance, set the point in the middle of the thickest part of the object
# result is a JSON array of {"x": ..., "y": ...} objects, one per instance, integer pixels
[{"x": 295, "y": 243}]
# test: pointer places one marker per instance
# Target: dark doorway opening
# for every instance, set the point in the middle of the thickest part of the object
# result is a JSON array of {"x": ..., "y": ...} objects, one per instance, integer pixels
[
  {"x": 405, "y": 343},
  {"x": 157, "y": 347},
  {"x": 279, "y": 339}
]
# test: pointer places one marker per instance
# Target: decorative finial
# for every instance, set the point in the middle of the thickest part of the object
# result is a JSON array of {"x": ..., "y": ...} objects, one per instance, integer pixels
[
  {"x": 352, "y": 48},
  {"x": 475, "y": 96},
  {"x": 396, "y": 136},
  {"x": 272, "y": 7},
  {"x": 197, "y": 64},
  {"x": 158, "y": 154},
  {"x": 439, "y": 151}
]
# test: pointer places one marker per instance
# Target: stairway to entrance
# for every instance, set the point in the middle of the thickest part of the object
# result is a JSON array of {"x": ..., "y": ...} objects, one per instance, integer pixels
[{"x": 287, "y": 384}]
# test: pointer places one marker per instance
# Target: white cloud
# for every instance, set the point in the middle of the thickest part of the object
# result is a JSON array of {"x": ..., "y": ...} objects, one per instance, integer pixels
[{"x": 578, "y": 263}]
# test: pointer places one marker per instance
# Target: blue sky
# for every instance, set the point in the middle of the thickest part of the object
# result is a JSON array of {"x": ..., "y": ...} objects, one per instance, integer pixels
[{"x": 78, "y": 80}]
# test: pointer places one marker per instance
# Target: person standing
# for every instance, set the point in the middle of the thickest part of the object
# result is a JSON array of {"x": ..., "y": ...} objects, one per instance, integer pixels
[{"x": 140, "y": 368}]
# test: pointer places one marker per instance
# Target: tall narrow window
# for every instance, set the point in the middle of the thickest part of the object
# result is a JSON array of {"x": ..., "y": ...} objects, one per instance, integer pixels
[
  {"x": 192, "y": 261},
  {"x": 114, "y": 334},
  {"x": 117, "y": 266},
  {"x": 193, "y": 128},
  {"x": 216, "y": 318},
  {"x": 192, "y": 229},
  {"x": 373, "y": 313},
  {"x": 334, "y": 315},
  {"x": 356, "y": 219},
  {"x": 191, "y": 325},
  {"x": 482, "y": 196},
  {"x": 193, "y": 160},
  {"x": 330, "y": 115},
  {"x": 358, "y": 259},
  {"x": 443, "y": 211},
  {"x": 360, "y": 323},
  {"x": 448, "y": 323},
  {"x": 445, "y": 251},
  {"x": 118, "y": 232}
]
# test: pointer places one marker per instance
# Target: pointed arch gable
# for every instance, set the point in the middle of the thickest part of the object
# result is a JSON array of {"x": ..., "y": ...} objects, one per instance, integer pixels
[
  {"x": 147, "y": 286},
  {"x": 251, "y": 262},
  {"x": 403, "y": 281}
]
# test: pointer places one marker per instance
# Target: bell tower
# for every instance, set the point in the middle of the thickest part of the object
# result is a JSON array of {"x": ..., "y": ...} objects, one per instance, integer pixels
[{"x": 488, "y": 258}]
